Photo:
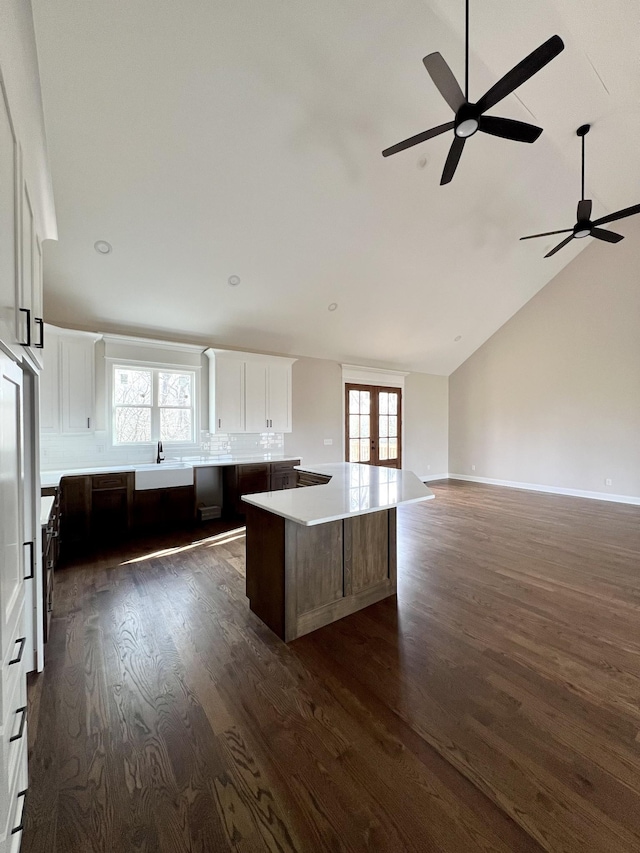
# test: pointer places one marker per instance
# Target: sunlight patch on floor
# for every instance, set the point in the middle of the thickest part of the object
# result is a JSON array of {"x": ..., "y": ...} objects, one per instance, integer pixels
[{"x": 209, "y": 542}]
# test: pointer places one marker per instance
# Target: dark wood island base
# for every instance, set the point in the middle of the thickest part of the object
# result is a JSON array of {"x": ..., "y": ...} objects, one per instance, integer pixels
[{"x": 300, "y": 578}]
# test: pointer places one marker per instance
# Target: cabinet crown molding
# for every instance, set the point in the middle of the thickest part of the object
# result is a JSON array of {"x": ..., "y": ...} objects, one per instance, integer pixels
[
  {"x": 59, "y": 330},
  {"x": 212, "y": 352}
]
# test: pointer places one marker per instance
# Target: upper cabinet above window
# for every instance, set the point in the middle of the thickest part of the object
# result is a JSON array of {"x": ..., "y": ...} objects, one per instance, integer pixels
[{"x": 249, "y": 393}]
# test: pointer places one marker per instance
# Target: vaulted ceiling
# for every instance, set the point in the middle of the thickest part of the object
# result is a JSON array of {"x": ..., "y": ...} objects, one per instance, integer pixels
[{"x": 209, "y": 139}]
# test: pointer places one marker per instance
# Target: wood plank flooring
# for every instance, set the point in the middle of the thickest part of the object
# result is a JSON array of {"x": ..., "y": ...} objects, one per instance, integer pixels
[{"x": 495, "y": 706}]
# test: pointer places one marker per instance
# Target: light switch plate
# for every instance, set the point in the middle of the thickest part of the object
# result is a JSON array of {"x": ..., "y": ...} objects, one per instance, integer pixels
[{"x": 328, "y": 441}]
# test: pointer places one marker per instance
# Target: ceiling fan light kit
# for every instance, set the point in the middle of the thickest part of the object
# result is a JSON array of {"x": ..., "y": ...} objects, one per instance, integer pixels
[
  {"x": 585, "y": 226},
  {"x": 470, "y": 117}
]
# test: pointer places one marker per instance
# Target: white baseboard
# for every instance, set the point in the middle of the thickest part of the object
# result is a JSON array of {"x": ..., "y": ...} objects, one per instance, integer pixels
[
  {"x": 552, "y": 490},
  {"x": 428, "y": 478}
]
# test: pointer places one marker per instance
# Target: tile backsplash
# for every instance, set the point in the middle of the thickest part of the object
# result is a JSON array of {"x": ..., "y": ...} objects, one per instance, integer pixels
[{"x": 81, "y": 451}]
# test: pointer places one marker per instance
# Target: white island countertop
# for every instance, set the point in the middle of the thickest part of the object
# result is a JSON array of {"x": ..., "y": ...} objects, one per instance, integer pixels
[{"x": 353, "y": 490}]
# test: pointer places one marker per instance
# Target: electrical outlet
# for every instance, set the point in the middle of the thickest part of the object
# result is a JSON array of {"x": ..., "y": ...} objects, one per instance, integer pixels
[
  {"x": 608, "y": 482},
  {"x": 99, "y": 448},
  {"x": 328, "y": 442},
  {"x": 473, "y": 467},
  {"x": 428, "y": 467}
]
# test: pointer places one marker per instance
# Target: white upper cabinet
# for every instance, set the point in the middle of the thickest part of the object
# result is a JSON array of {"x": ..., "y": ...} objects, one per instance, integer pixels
[
  {"x": 279, "y": 395},
  {"x": 9, "y": 281},
  {"x": 67, "y": 385},
  {"x": 226, "y": 393},
  {"x": 249, "y": 393},
  {"x": 21, "y": 324},
  {"x": 256, "y": 406},
  {"x": 50, "y": 386}
]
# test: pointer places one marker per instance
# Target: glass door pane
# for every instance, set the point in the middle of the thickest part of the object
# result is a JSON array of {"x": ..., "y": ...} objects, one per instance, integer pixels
[
  {"x": 358, "y": 424},
  {"x": 373, "y": 425}
]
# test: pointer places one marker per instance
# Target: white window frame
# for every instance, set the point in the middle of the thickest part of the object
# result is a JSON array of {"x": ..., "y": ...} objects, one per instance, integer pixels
[{"x": 155, "y": 368}]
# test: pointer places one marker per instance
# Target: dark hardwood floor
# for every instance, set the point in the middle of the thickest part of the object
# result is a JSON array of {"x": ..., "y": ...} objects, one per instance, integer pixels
[{"x": 494, "y": 707}]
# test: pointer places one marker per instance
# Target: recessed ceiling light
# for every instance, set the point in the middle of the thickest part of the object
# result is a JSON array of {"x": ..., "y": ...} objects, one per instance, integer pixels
[
  {"x": 333, "y": 306},
  {"x": 458, "y": 338},
  {"x": 234, "y": 280},
  {"x": 102, "y": 247}
]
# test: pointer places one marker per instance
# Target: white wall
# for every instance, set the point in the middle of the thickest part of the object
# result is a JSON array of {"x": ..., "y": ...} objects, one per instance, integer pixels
[
  {"x": 553, "y": 398},
  {"x": 318, "y": 413},
  {"x": 426, "y": 425}
]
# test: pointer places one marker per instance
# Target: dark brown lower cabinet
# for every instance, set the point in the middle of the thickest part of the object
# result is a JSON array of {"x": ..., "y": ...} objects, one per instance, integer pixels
[
  {"x": 283, "y": 475},
  {"x": 75, "y": 497},
  {"x": 254, "y": 478},
  {"x": 109, "y": 514},
  {"x": 50, "y": 547},
  {"x": 103, "y": 507},
  {"x": 307, "y": 478},
  {"x": 163, "y": 507},
  {"x": 301, "y": 578}
]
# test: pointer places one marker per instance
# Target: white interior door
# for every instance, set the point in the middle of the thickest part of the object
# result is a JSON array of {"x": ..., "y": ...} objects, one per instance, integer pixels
[
  {"x": 12, "y": 548},
  {"x": 33, "y": 657}
]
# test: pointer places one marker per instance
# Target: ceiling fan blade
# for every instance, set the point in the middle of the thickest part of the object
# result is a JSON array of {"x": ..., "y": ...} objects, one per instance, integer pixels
[
  {"x": 507, "y": 128},
  {"x": 620, "y": 214},
  {"x": 518, "y": 75},
  {"x": 547, "y": 234},
  {"x": 584, "y": 209},
  {"x": 559, "y": 246},
  {"x": 419, "y": 137},
  {"x": 452, "y": 160},
  {"x": 446, "y": 83},
  {"x": 609, "y": 236}
]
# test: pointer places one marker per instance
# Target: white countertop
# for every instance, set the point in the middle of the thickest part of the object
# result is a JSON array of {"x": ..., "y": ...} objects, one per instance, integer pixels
[
  {"x": 52, "y": 478},
  {"x": 45, "y": 509},
  {"x": 353, "y": 490}
]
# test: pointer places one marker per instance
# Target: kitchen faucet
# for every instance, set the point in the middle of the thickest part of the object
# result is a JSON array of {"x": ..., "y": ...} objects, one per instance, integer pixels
[{"x": 160, "y": 456}]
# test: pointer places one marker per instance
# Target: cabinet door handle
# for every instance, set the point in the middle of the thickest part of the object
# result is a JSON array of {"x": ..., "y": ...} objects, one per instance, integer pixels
[
  {"x": 40, "y": 322},
  {"x": 22, "y": 711},
  {"x": 20, "y": 826},
  {"x": 88, "y": 423},
  {"x": 27, "y": 343},
  {"x": 219, "y": 422},
  {"x": 31, "y": 545},
  {"x": 18, "y": 657}
]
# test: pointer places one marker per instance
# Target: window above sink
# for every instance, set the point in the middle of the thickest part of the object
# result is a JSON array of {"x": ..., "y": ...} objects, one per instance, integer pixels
[{"x": 151, "y": 403}]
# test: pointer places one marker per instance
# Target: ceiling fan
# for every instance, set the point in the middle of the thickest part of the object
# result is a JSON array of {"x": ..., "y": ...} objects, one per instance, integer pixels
[
  {"x": 469, "y": 117},
  {"x": 584, "y": 227}
]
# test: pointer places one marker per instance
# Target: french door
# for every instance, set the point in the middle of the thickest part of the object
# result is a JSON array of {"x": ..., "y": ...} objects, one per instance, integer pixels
[{"x": 373, "y": 425}]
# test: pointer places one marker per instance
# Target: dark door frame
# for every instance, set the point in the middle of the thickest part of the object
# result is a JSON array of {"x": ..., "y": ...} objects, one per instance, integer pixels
[{"x": 375, "y": 389}]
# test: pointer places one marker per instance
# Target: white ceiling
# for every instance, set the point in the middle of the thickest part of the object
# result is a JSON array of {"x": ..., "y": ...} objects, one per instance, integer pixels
[{"x": 205, "y": 139}]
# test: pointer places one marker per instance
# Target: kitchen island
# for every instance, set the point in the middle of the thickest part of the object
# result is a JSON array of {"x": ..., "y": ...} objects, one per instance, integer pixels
[{"x": 319, "y": 553}]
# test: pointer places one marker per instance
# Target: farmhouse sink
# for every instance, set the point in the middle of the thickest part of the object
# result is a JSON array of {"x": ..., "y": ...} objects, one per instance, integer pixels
[{"x": 163, "y": 476}]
